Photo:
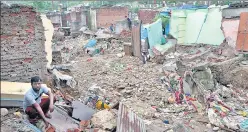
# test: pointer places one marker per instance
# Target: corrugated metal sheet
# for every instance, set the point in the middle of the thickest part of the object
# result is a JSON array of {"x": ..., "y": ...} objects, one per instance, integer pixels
[
  {"x": 128, "y": 121},
  {"x": 242, "y": 39},
  {"x": 136, "y": 40}
]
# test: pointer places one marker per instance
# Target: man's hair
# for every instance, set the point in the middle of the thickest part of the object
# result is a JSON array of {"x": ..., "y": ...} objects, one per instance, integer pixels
[{"x": 35, "y": 79}]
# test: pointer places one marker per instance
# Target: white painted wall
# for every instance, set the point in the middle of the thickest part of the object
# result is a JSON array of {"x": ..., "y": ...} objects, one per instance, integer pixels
[{"x": 48, "y": 26}]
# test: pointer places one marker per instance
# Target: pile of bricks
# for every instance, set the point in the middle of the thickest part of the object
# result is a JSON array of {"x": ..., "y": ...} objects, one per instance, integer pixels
[
  {"x": 22, "y": 43},
  {"x": 125, "y": 34}
]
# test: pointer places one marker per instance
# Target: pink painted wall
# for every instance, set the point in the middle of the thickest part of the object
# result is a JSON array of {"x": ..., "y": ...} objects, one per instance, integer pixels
[{"x": 230, "y": 29}]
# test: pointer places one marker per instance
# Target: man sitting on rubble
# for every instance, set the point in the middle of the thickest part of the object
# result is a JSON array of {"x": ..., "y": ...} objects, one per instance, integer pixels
[{"x": 35, "y": 106}]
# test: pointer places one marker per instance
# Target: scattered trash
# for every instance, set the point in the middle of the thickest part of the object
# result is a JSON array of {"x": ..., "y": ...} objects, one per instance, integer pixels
[
  {"x": 243, "y": 113},
  {"x": 91, "y": 43},
  {"x": 166, "y": 122},
  {"x": 101, "y": 105},
  {"x": 18, "y": 114}
]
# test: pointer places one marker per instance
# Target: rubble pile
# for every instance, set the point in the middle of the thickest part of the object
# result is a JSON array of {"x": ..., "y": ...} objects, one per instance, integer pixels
[
  {"x": 70, "y": 48},
  {"x": 126, "y": 35},
  {"x": 121, "y": 76},
  {"x": 153, "y": 91},
  {"x": 13, "y": 122},
  {"x": 190, "y": 91},
  {"x": 182, "y": 89}
]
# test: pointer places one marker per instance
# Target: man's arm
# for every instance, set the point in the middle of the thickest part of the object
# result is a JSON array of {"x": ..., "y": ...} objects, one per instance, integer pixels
[{"x": 50, "y": 94}]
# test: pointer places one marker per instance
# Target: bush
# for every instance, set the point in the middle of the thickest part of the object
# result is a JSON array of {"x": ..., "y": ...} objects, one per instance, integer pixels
[{"x": 165, "y": 20}]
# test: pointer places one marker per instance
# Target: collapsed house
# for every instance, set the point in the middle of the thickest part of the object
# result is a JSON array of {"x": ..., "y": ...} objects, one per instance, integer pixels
[{"x": 178, "y": 95}]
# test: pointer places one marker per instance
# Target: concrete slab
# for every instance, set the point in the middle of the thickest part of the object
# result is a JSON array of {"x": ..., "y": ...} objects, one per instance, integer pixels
[
  {"x": 61, "y": 121},
  {"x": 81, "y": 111}
]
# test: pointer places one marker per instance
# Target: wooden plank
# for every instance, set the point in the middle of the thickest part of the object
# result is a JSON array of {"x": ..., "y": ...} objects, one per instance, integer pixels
[{"x": 136, "y": 40}]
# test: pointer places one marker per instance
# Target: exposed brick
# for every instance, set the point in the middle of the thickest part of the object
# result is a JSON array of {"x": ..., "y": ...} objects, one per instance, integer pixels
[
  {"x": 107, "y": 15},
  {"x": 22, "y": 44},
  {"x": 147, "y": 16}
]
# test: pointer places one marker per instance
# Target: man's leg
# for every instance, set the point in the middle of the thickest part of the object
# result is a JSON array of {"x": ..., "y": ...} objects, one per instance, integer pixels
[
  {"x": 45, "y": 102},
  {"x": 31, "y": 112},
  {"x": 33, "y": 115}
]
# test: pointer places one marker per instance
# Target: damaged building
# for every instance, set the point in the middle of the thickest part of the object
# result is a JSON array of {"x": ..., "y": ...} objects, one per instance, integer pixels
[
  {"x": 190, "y": 78},
  {"x": 22, "y": 43}
]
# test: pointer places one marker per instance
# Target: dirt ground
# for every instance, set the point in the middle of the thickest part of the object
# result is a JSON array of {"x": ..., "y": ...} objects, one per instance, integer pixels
[{"x": 12, "y": 123}]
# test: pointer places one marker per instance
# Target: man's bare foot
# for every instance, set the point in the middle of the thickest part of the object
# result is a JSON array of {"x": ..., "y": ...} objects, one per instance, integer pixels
[{"x": 47, "y": 115}]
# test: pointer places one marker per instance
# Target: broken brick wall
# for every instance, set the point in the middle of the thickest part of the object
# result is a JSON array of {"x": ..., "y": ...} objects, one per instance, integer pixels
[
  {"x": 147, "y": 16},
  {"x": 22, "y": 44},
  {"x": 55, "y": 18},
  {"x": 107, "y": 15}
]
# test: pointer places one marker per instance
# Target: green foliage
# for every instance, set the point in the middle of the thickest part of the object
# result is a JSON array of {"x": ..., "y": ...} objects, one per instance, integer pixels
[
  {"x": 42, "y": 6},
  {"x": 172, "y": 1},
  {"x": 165, "y": 19},
  {"x": 135, "y": 10}
]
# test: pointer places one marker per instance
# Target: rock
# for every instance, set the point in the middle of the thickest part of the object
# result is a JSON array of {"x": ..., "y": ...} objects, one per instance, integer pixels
[
  {"x": 4, "y": 111},
  {"x": 244, "y": 62},
  {"x": 62, "y": 79},
  {"x": 120, "y": 55},
  {"x": 170, "y": 66},
  {"x": 128, "y": 91},
  {"x": 104, "y": 119},
  {"x": 229, "y": 72},
  {"x": 215, "y": 128},
  {"x": 204, "y": 76},
  {"x": 208, "y": 125}
]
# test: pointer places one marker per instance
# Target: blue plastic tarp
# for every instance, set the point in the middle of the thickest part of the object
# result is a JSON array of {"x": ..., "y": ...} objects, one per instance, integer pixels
[
  {"x": 189, "y": 7},
  {"x": 167, "y": 29},
  {"x": 91, "y": 43},
  {"x": 143, "y": 33},
  {"x": 155, "y": 33}
]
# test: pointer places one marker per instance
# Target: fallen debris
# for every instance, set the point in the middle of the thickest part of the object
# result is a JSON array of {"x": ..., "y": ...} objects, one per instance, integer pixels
[
  {"x": 62, "y": 80},
  {"x": 61, "y": 121}
]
